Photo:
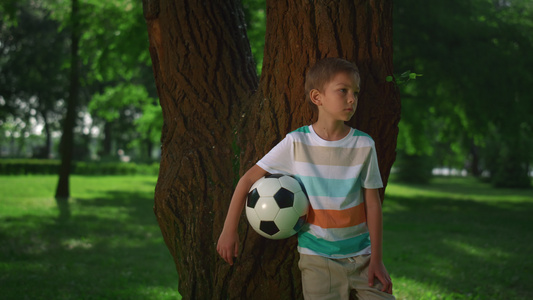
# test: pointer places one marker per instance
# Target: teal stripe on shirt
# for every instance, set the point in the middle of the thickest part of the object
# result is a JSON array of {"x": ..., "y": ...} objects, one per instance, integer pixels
[
  {"x": 304, "y": 129},
  {"x": 323, "y": 187},
  {"x": 343, "y": 247},
  {"x": 360, "y": 133}
]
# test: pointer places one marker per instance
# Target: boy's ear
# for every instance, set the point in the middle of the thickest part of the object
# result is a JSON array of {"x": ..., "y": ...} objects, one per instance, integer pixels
[{"x": 314, "y": 95}]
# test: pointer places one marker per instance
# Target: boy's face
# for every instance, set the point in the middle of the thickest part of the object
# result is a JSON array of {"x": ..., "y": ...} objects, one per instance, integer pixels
[{"x": 338, "y": 98}]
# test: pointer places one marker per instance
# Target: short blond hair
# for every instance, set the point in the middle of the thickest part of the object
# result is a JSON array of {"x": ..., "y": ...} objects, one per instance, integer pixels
[{"x": 323, "y": 72}]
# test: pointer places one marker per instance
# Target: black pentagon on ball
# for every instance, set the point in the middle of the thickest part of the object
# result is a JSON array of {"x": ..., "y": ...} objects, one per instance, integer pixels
[
  {"x": 300, "y": 223},
  {"x": 274, "y": 176},
  {"x": 253, "y": 197},
  {"x": 269, "y": 227},
  {"x": 284, "y": 198}
]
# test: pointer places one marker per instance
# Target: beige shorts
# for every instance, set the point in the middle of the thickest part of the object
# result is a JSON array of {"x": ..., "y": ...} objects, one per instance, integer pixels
[{"x": 324, "y": 278}]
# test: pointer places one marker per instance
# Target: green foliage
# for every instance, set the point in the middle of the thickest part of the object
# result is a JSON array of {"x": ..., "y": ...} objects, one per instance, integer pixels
[
  {"x": 413, "y": 168},
  {"x": 475, "y": 57},
  {"x": 133, "y": 102},
  {"x": 255, "y": 15},
  {"x": 49, "y": 166},
  {"x": 108, "y": 168},
  {"x": 8, "y": 12},
  {"x": 150, "y": 122},
  {"x": 113, "y": 43},
  {"x": 504, "y": 158},
  {"x": 108, "y": 104},
  {"x": 115, "y": 68},
  {"x": 32, "y": 80},
  {"x": 403, "y": 78},
  {"x": 28, "y": 166}
]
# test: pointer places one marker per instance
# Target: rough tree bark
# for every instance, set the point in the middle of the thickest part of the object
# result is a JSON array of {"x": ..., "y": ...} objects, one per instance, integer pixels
[{"x": 219, "y": 119}]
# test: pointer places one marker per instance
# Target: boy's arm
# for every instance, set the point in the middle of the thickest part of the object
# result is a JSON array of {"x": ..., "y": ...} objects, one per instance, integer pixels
[
  {"x": 375, "y": 227},
  {"x": 228, "y": 242}
]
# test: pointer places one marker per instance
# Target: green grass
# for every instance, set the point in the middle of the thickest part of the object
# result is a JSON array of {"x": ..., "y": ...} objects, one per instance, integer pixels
[
  {"x": 458, "y": 239},
  {"x": 109, "y": 248},
  {"x": 454, "y": 239}
]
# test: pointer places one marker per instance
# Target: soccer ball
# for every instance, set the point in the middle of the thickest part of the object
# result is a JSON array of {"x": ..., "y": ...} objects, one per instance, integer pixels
[{"x": 277, "y": 206}]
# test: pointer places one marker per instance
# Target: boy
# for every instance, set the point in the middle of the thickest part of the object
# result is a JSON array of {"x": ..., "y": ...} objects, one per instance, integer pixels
[{"x": 338, "y": 167}]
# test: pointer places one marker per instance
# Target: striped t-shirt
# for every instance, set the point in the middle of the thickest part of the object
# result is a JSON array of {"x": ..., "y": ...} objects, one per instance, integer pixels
[{"x": 333, "y": 173}]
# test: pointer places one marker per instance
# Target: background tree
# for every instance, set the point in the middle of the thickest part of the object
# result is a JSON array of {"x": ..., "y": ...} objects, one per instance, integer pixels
[
  {"x": 219, "y": 119},
  {"x": 67, "y": 139},
  {"x": 119, "y": 77},
  {"x": 472, "y": 108},
  {"x": 114, "y": 73},
  {"x": 32, "y": 80}
]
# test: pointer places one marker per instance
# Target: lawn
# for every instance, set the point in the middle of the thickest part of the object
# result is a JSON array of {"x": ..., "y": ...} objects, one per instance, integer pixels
[
  {"x": 459, "y": 239},
  {"x": 454, "y": 239},
  {"x": 109, "y": 248}
]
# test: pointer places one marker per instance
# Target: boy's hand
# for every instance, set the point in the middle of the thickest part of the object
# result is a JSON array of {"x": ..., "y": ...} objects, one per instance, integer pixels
[
  {"x": 228, "y": 242},
  {"x": 228, "y": 246},
  {"x": 377, "y": 270}
]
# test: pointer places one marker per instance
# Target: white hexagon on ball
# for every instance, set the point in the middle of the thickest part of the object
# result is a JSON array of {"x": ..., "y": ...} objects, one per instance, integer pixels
[
  {"x": 266, "y": 208},
  {"x": 253, "y": 219},
  {"x": 286, "y": 219},
  {"x": 290, "y": 183},
  {"x": 268, "y": 187}
]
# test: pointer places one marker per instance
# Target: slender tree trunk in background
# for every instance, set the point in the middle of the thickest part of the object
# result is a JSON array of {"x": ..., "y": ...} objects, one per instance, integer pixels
[
  {"x": 67, "y": 139},
  {"x": 218, "y": 120},
  {"x": 48, "y": 134},
  {"x": 149, "y": 147},
  {"x": 107, "y": 143},
  {"x": 474, "y": 161}
]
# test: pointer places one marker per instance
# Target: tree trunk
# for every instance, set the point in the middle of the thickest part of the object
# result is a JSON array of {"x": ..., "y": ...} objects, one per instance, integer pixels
[
  {"x": 474, "y": 168},
  {"x": 67, "y": 139},
  {"x": 47, "y": 150},
  {"x": 218, "y": 121},
  {"x": 149, "y": 148},
  {"x": 107, "y": 144}
]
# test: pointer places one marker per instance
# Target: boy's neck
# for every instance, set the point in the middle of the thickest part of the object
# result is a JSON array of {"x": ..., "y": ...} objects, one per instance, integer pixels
[{"x": 333, "y": 131}]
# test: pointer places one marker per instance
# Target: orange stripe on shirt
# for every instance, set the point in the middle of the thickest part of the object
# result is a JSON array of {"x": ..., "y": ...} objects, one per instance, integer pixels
[{"x": 329, "y": 218}]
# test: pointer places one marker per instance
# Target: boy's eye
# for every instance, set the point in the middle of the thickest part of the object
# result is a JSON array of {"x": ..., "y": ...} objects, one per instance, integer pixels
[{"x": 344, "y": 91}]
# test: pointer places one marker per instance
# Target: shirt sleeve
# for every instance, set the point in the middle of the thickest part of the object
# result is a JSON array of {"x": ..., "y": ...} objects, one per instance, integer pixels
[
  {"x": 279, "y": 159},
  {"x": 370, "y": 175}
]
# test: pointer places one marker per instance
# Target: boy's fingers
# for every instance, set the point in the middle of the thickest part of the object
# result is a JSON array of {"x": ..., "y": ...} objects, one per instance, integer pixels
[
  {"x": 370, "y": 279},
  {"x": 383, "y": 282},
  {"x": 387, "y": 285},
  {"x": 228, "y": 257}
]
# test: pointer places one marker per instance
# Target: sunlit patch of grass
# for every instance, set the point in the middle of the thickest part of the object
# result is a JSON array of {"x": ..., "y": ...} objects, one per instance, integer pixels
[
  {"x": 461, "y": 188},
  {"x": 478, "y": 252}
]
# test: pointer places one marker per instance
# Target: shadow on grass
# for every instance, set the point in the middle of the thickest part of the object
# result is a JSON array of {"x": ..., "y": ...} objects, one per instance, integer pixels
[
  {"x": 109, "y": 248},
  {"x": 468, "y": 249}
]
